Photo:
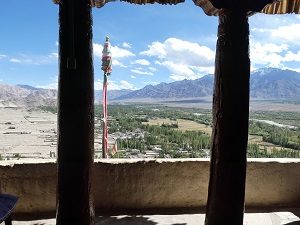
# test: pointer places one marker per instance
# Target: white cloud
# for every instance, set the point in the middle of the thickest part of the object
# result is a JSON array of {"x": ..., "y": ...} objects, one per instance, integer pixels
[
  {"x": 49, "y": 86},
  {"x": 133, "y": 77},
  {"x": 122, "y": 85},
  {"x": 203, "y": 70},
  {"x": 97, "y": 49},
  {"x": 253, "y": 68},
  {"x": 52, "y": 85},
  {"x": 267, "y": 54},
  {"x": 14, "y": 60},
  {"x": 152, "y": 69},
  {"x": 288, "y": 33},
  {"x": 54, "y": 54},
  {"x": 271, "y": 48},
  {"x": 294, "y": 69},
  {"x": 184, "y": 60},
  {"x": 126, "y": 45},
  {"x": 141, "y": 72},
  {"x": 142, "y": 62},
  {"x": 182, "y": 52},
  {"x": 98, "y": 85},
  {"x": 182, "y": 69},
  {"x": 156, "y": 49},
  {"x": 275, "y": 41},
  {"x": 113, "y": 85},
  {"x": 290, "y": 56},
  {"x": 3, "y": 56},
  {"x": 117, "y": 54},
  {"x": 116, "y": 62},
  {"x": 151, "y": 82},
  {"x": 120, "y": 52},
  {"x": 261, "y": 30},
  {"x": 35, "y": 59},
  {"x": 56, "y": 43},
  {"x": 116, "y": 51}
]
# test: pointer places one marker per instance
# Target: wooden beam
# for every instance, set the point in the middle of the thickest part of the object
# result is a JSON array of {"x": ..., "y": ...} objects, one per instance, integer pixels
[
  {"x": 75, "y": 114},
  {"x": 226, "y": 192},
  {"x": 248, "y": 5}
]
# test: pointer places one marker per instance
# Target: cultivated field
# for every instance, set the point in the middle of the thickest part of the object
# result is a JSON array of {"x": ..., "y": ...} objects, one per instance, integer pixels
[
  {"x": 189, "y": 125},
  {"x": 182, "y": 124},
  {"x": 255, "y": 139}
]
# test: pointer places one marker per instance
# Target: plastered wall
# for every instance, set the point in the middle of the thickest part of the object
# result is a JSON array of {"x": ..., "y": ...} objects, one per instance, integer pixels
[{"x": 143, "y": 184}]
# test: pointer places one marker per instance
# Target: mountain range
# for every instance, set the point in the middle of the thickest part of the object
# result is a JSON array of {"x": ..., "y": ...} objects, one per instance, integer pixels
[
  {"x": 266, "y": 83},
  {"x": 24, "y": 95},
  {"x": 275, "y": 83},
  {"x": 201, "y": 87}
]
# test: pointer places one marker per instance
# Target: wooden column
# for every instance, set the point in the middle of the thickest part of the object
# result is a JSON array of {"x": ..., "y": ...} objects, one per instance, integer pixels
[
  {"x": 75, "y": 114},
  {"x": 226, "y": 192}
]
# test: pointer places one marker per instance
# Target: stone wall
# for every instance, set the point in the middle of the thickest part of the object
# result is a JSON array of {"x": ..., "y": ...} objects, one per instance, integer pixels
[{"x": 151, "y": 184}]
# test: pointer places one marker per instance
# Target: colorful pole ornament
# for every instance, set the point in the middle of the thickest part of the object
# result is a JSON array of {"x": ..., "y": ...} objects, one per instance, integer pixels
[
  {"x": 106, "y": 67},
  {"x": 106, "y": 58}
]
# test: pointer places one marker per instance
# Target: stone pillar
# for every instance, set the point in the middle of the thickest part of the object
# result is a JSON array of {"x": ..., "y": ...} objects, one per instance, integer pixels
[
  {"x": 226, "y": 194},
  {"x": 75, "y": 114}
]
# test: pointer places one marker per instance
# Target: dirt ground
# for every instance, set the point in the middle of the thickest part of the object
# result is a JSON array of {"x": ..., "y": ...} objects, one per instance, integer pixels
[{"x": 27, "y": 134}]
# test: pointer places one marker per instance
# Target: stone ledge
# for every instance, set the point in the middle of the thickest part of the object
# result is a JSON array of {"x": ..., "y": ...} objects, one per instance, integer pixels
[
  {"x": 117, "y": 161},
  {"x": 151, "y": 183}
]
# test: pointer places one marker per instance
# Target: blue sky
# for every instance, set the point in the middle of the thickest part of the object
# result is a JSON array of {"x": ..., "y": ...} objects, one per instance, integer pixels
[{"x": 150, "y": 44}]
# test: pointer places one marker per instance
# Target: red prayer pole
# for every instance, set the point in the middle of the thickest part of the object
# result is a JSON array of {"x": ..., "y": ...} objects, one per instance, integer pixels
[
  {"x": 106, "y": 67},
  {"x": 104, "y": 122}
]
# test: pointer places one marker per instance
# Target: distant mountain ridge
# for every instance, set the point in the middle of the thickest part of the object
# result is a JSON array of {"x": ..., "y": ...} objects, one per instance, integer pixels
[
  {"x": 266, "y": 83},
  {"x": 179, "y": 89},
  {"x": 28, "y": 87},
  {"x": 275, "y": 83},
  {"x": 111, "y": 94},
  {"x": 24, "y": 95}
]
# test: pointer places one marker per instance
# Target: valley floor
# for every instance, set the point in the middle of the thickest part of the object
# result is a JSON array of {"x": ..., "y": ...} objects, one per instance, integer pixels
[
  {"x": 26, "y": 133},
  {"x": 206, "y": 103}
]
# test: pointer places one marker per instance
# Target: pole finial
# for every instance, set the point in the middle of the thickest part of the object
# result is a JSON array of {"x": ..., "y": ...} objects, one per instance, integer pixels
[{"x": 106, "y": 57}]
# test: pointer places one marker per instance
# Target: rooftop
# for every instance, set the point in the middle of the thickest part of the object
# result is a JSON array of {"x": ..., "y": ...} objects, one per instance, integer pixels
[{"x": 214, "y": 7}]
